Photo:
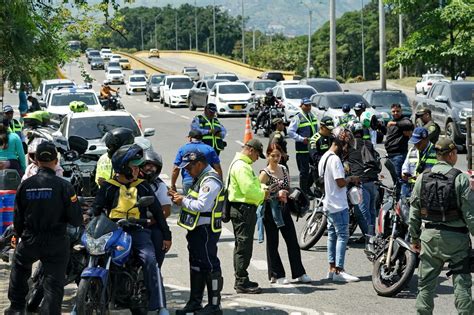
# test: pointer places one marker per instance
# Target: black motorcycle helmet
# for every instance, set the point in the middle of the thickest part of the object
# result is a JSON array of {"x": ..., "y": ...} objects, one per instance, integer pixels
[
  {"x": 268, "y": 92},
  {"x": 123, "y": 156},
  {"x": 154, "y": 158},
  {"x": 116, "y": 138}
]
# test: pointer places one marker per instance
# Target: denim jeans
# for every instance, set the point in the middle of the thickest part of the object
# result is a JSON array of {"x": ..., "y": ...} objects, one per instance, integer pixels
[
  {"x": 277, "y": 212},
  {"x": 361, "y": 221},
  {"x": 397, "y": 160},
  {"x": 260, "y": 227},
  {"x": 338, "y": 235},
  {"x": 367, "y": 206}
]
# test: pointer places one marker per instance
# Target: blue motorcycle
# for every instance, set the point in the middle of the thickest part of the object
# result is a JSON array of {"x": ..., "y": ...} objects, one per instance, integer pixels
[{"x": 113, "y": 278}]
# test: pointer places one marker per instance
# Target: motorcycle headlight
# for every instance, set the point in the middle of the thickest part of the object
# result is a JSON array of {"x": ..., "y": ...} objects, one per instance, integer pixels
[
  {"x": 465, "y": 113},
  {"x": 97, "y": 246}
]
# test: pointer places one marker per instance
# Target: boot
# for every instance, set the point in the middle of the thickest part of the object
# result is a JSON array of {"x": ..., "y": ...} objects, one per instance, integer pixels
[
  {"x": 215, "y": 283},
  {"x": 198, "y": 282}
]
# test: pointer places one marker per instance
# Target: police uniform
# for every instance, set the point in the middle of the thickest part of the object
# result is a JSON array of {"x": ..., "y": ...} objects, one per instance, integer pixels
[
  {"x": 207, "y": 127},
  {"x": 103, "y": 168},
  {"x": 345, "y": 119},
  {"x": 303, "y": 125},
  {"x": 433, "y": 128},
  {"x": 201, "y": 214},
  {"x": 444, "y": 234},
  {"x": 319, "y": 144},
  {"x": 44, "y": 205}
]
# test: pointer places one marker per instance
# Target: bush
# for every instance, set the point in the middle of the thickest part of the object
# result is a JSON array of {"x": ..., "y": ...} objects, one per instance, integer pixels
[{"x": 340, "y": 79}]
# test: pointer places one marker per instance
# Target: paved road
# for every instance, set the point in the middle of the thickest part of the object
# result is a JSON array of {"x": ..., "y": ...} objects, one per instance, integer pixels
[{"x": 319, "y": 297}]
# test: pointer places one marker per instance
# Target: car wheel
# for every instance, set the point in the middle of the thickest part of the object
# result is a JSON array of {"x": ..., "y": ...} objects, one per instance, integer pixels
[
  {"x": 451, "y": 132},
  {"x": 191, "y": 106}
]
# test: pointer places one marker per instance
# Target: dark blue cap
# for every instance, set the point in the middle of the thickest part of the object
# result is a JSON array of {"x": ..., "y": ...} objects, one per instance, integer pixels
[
  {"x": 305, "y": 101},
  {"x": 419, "y": 134},
  {"x": 211, "y": 107},
  {"x": 192, "y": 156}
]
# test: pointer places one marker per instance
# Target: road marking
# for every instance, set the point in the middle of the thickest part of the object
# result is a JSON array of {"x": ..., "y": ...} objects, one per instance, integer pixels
[
  {"x": 308, "y": 311},
  {"x": 184, "y": 116},
  {"x": 143, "y": 116},
  {"x": 171, "y": 112},
  {"x": 156, "y": 106},
  {"x": 239, "y": 142}
]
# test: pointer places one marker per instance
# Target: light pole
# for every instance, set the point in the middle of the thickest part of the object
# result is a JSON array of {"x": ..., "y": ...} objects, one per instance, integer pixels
[
  {"x": 382, "y": 44},
  {"x": 332, "y": 39},
  {"x": 400, "y": 37},
  {"x": 176, "y": 29},
  {"x": 243, "y": 33},
  {"x": 196, "y": 24},
  {"x": 308, "y": 60},
  {"x": 141, "y": 28},
  {"x": 214, "y": 26},
  {"x": 156, "y": 42},
  {"x": 362, "y": 37}
]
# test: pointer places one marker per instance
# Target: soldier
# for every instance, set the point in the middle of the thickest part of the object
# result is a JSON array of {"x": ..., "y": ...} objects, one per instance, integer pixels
[
  {"x": 424, "y": 119},
  {"x": 446, "y": 211}
]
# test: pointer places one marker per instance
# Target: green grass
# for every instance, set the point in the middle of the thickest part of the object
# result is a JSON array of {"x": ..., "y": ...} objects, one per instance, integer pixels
[{"x": 408, "y": 82}]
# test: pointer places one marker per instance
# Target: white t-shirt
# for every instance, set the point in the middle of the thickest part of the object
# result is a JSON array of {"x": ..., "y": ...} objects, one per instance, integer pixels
[{"x": 335, "y": 198}]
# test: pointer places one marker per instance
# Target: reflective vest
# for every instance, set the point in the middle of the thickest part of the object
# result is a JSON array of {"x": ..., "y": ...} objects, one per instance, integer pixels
[
  {"x": 307, "y": 127},
  {"x": 345, "y": 119},
  {"x": 15, "y": 126},
  {"x": 103, "y": 168},
  {"x": 209, "y": 138},
  {"x": 419, "y": 164},
  {"x": 127, "y": 198},
  {"x": 189, "y": 219}
]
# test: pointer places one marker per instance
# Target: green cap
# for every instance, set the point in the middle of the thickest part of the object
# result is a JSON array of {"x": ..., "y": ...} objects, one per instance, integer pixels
[
  {"x": 445, "y": 145},
  {"x": 257, "y": 145},
  {"x": 423, "y": 110}
]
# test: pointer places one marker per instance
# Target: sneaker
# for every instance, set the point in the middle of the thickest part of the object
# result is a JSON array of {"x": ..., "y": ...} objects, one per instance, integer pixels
[
  {"x": 330, "y": 275},
  {"x": 273, "y": 280},
  {"x": 252, "y": 284},
  {"x": 343, "y": 276},
  {"x": 282, "y": 281},
  {"x": 247, "y": 289},
  {"x": 304, "y": 279}
]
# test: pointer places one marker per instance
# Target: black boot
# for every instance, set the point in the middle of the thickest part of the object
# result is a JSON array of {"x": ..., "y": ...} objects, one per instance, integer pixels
[
  {"x": 198, "y": 282},
  {"x": 215, "y": 282}
]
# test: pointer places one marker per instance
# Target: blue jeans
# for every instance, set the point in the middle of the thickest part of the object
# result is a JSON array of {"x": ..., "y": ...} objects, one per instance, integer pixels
[
  {"x": 397, "y": 160},
  {"x": 277, "y": 212},
  {"x": 338, "y": 235},
  {"x": 260, "y": 227},
  {"x": 361, "y": 221},
  {"x": 367, "y": 207}
]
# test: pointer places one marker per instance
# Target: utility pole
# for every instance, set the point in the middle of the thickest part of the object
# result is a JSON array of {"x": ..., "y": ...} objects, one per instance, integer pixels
[
  {"x": 214, "y": 26},
  {"x": 362, "y": 37},
  {"x": 141, "y": 28},
  {"x": 207, "y": 45},
  {"x": 400, "y": 37},
  {"x": 308, "y": 60},
  {"x": 196, "y": 24},
  {"x": 382, "y": 46},
  {"x": 190, "y": 42},
  {"x": 332, "y": 39},
  {"x": 243, "y": 33},
  {"x": 253, "y": 38},
  {"x": 156, "y": 41},
  {"x": 176, "y": 28}
]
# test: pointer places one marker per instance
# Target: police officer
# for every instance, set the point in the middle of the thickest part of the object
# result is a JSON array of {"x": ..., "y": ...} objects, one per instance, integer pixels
[
  {"x": 117, "y": 197},
  {"x": 359, "y": 109},
  {"x": 44, "y": 205},
  {"x": 213, "y": 132},
  {"x": 302, "y": 127},
  {"x": 201, "y": 214},
  {"x": 441, "y": 217},
  {"x": 278, "y": 137},
  {"x": 319, "y": 143},
  {"x": 13, "y": 124},
  {"x": 424, "y": 119},
  {"x": 113, "y": 139},
  {"x": 346, "y": 116}
]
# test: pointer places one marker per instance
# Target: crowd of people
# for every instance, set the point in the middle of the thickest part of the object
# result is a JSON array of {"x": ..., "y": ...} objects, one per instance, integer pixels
[{"x": 332, "y": 156}]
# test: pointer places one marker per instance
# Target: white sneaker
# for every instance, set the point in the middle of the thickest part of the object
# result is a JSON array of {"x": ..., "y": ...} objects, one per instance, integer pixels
[
  {"x": 282, "y": 281},
  {"x": 343, "y": 276},
  {"x": 330, "y": 275},
  {"x": 273, "y": 280},
  {"x": 304, "y": 279}
]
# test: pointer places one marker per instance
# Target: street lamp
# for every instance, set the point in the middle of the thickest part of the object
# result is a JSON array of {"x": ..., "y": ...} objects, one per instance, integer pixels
[
  {"x": 156, "y": 42},
  {"x": 308, "y": 61},
  {"x": 141, "y": 28},
  {"x": 176, "y": 29},
  {"x": 214, "y": 25},
  {"x": 196, "y": 24},
  {"x": 332, "y": 39},
  {"x": 243, "y": 33},
  {"x": 362, "y": 37}
]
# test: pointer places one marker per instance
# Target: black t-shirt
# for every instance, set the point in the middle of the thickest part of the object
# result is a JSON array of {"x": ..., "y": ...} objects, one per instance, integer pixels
[
  {"x": 396, "y": 141},
  {"x": 355, "y": 161}
]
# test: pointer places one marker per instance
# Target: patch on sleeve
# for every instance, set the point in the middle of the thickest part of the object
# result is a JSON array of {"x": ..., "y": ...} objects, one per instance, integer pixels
[
  {"x": 206, "y": 189},
  {"x": 74, "y": 198}
]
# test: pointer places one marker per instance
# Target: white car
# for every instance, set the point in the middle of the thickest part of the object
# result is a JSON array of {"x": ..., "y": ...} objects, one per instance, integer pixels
[
  {"x": 136, "y": 84},
  {"x": 59, "y": 100},
  {"x": 178, "y": 93},
  {"x": 47, "y": 85},
  {"x": 424, "y": 84},
  {"x": 166, "y": 83},
  {"x": 288, "y": 82},
  {"x": 115, "y": 58},
  {"x": 231, "y": 98},
  {"x": 290, "y": 96},
  {"x": 115, "y": 75},
  {"x": 105, "y": 53}
]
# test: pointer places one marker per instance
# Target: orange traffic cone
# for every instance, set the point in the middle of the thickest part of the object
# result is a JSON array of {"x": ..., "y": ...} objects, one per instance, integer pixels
[{"x": 248, "y": 130}]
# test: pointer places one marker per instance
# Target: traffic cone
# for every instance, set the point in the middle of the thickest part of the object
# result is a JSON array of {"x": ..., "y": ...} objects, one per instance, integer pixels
[
  {"x": 140, "y": 124},
  {"x": 248, "y": 130}
]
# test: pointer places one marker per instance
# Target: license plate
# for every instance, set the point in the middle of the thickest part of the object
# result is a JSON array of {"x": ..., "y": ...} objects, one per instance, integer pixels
[
  {"x": 237, "y": 107},
  {"x": 139, "y": 90}
]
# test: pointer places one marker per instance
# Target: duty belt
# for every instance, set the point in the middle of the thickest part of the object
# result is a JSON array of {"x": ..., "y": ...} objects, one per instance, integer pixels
[{"x": 443, "y": 227}]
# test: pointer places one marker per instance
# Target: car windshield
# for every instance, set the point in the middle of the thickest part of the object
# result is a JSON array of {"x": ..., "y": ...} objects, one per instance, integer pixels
[
  {"x": 435, "y": 77},
  {"x": 230, "y": 77},
  {"x": 96, "y": 60},
  {"x": 299, "y": 93},
  {"x": 94, "y": 53},
  {"x": 173, "y": 80},
  {"x": 55, "y": 85},
  {"x": 113, "y": 71},
  {"x": 261, "y": 86},
  {"x": 275, "y": 76},
  {"x": 325, "y": 86},
  {"x": 106, "y": 51},
  {"x": 462, "y": 92},
  {"x": 123, "y": 60},
  {"x": 181, "y": 85},
  {"x": 156, "y": 79},
  {"x": 387, "y": 99},
  {"x": 137, "y": 79},
  {"x": 95, "y": 127},
  {"x": 336, "y": 101},
  {"x": 233, "y": 89},
  {"x": 114, "y": 64},
  {"x": 211, "y": 83},
  {"x": 139, "y": 72},
  {"x": 88, "y": 98}
]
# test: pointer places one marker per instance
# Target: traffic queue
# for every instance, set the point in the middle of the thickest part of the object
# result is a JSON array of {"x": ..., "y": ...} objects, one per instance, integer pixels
[{"x": 123, "y": 237}]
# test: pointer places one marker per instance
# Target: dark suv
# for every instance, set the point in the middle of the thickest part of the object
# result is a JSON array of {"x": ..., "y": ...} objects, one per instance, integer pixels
[
  {"x": 450, "y": 103},
  {"x": 272, "y": 75},
  {"x": 322, "y": 84},
  {"x": 153, "y": 87},
  {"x": 382, "y": 101}
]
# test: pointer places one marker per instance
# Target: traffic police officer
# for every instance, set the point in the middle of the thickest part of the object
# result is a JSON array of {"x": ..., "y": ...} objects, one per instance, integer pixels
[
  {"x": 302, "y": 127},
  {"x": 424, "y": 119},
  {"x": 443, "y": 204},
  {"x": 44, "y": 205},
  {"x": 213, "y": 132},
  {"x": 346, "y": 117},
  {"x": 13, "y": 124},
  {"x": 201, "y": 214},
  {"x": 278, "y": 137},
  {"x": 319, "y": 143}
]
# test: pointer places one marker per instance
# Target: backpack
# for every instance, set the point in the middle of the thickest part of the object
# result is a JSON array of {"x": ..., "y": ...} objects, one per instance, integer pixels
[{"x": 370, "y": 160}]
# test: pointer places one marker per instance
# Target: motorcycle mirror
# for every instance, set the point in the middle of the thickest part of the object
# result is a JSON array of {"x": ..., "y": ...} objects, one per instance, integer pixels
[
  {"x": 70, "y": 156},
  {"x": 391, "y": 169},
  {"x": 78, "y": 144},
  {"x": 145, "y": 201}
]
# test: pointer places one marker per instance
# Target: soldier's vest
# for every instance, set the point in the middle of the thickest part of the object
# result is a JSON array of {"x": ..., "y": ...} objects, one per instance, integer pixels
[
  {"x": 306, "y": 128},
  {"x": 419, "y": 164},
  {"x": 128, "y": 197},
  {"x": 210, "y": 139},
  {"x": 345, "y": 119},
  {"x": 189, "y": 219},
  {"x": 439, "y": 200}
]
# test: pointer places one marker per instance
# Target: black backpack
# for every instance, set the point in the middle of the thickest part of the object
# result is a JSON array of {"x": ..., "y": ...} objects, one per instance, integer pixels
[{"x": 370, "y": 159}]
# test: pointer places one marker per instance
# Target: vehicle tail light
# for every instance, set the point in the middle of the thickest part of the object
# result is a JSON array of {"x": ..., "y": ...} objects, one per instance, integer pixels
[
  {"x": 430, "y": 83},
  {"x": 379, "y": 226}
]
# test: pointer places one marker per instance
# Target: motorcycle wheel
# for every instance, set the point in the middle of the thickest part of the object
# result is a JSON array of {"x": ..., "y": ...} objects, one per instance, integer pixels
[
  {"x": 312, "y": 231},
  {"x": 88, "y": 297},
  {"x": 390, "y": 282}
]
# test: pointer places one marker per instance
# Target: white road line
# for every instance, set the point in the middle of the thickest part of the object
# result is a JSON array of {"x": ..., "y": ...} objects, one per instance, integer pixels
[
  {"x": 143, "y": 116},
  {"x": 156, "y": 106},
  {"x": 164, "y": 176},
  {"x": 184, "y": 116},
  {"x": 171, "y": 112},
  {"x": 239, "y": 142}
]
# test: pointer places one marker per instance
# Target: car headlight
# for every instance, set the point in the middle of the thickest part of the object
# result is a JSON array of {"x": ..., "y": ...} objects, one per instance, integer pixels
[
  {"x": 465, "y": 113},
  {"x": 221, "y": 100},
  {"x": 250, "y": 100},
  {"x": 97, "y": 246},
  {"x": 154, "y": 89}
]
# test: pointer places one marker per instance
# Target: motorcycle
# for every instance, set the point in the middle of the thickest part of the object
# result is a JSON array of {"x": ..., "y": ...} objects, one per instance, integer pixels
[
  {"x": 269, "y": 113},
  {"x": 113, "y": 277},
  {"x": 113, "y": 102},
  {"x": 77, "y": 262},
  {"x": 394, "y": 261}
]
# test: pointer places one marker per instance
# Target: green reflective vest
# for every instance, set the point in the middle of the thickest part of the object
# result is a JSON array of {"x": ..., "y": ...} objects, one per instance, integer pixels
[
  {"x": 209, "y": 138},
  {"x": 419, "y": 164}
]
